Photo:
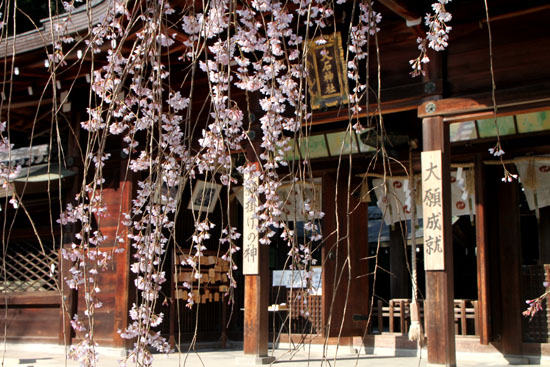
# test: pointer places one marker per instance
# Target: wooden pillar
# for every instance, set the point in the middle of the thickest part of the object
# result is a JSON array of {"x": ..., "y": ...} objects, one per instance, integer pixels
[
  {"x": 256, "y": 298},
  {"x": 345, "y": 298},
  {"x": 123, "y": 298},
  {"x": 399, "y": 284},
  {"x": 544, "y": 235},
  {"x": 174, "y": 300},
  {"x": 510, "y": 267},
  {"x": 482, "y": 245},
  {"x": 439, "y": 308},
  {"x": 256, "y": 285},
  {"x": 69, "y": 307}
]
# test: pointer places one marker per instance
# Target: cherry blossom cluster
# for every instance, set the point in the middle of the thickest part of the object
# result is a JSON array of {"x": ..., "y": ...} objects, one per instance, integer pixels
[
  {"x": 228, "y": 238},
  {"x": 535, "y": 305},
  {"x": 261, "y": 55},
  {"x": 437, "y": 36},
  {"x": 498, "y": 152},
  {"x": 7, "y": 171}
]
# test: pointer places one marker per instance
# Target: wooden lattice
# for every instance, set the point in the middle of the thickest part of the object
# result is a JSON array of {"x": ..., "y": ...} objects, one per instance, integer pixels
[
  {"x": 535, "y": 329},
  {"x": 28, "y": 267},
  {"x": 305, "y": 313}
]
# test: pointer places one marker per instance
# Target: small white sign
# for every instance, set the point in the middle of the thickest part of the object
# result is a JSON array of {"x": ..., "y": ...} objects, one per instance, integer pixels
[
  {"x": 282, "y": 278},
  {"x": 289, "y": 278},
  {"x": 317, "y": 281},
  {"x": 432, "y": 206}
]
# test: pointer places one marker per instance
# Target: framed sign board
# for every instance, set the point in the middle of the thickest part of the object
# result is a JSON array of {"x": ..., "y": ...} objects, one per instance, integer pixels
[
  {"x": 204, "y": 196},
  {"x": 327, "y": 75}
]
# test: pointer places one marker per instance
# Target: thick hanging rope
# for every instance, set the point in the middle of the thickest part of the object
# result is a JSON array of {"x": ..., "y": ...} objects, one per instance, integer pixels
[{"x": 416, "y": 333}]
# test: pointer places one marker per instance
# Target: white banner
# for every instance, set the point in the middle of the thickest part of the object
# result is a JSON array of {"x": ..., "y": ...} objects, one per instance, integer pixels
[
  {"x": 394, "y": 197},
  {"x": 535, "y": 178}
]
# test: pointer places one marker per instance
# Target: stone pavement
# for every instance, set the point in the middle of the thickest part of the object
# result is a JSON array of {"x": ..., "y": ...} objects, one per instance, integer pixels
[{"x": 42, "y": 355}]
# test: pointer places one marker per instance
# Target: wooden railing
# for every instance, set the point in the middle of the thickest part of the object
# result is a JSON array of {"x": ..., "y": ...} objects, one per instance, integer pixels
[
  {"x": 394, "y": 317},
  {"x": 465, "y": 310}
]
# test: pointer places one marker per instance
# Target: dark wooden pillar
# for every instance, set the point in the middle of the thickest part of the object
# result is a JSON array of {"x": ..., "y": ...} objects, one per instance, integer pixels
[
  {"x": 510, "y": 267},
  {"x": 120, "y": 201},
  {"x": 439, "y": 310},
  {"x": 483, "y": 290},
  {"x": 69, "y": 306},
  {"x": 174, "y": 300},
  {"x": 399, "y": 284},
  {"x": 256, "y": 298},
  {"x": 345, "y": 299},
  {"x": 256, "y": 284},
  {"x": 544, "y": 235}
]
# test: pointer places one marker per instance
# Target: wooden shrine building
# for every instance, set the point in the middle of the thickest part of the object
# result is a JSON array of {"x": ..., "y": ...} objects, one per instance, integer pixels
[{"x": 481, "y": 250}]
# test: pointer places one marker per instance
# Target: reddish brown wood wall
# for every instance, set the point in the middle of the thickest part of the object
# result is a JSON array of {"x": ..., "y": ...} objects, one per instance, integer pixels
[
  {"x": 31, "y": 317},
  {"x": 31, "y": 324}
]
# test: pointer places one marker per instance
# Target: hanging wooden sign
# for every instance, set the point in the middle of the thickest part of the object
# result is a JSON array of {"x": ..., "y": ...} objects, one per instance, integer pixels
[
  {"x": 432, "y": 206},
  {"x": 251, "y": 244},
  {"x": 327, "y": 75}
]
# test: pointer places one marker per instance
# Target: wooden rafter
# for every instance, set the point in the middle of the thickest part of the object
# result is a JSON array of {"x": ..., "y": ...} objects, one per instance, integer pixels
[
  {"x": 399, "y": 8},
  {"x": 30, "y": 103}
]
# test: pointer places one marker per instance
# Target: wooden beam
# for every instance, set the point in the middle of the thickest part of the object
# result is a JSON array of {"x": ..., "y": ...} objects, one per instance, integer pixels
[
  {"x": 512, "y": 98},
  {"x": 394, "y": 99},
  {"x": 439, "y": 313},
  {"x": 483, "y": 290},
  {"x": 32, "y": 103},
  {"x": 519, "y": 13},
  {"x": 51, "y": 298}
]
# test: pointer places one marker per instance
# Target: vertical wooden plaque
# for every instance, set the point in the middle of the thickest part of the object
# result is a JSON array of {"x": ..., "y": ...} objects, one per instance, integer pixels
[
  {"x": 432, "y": 206},
  {"x": 251, "y": 261}
]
